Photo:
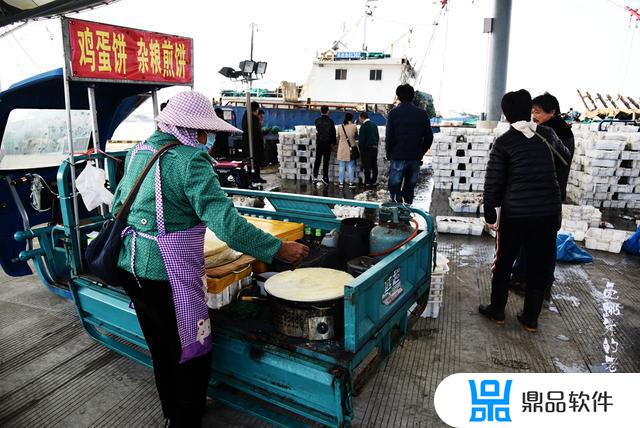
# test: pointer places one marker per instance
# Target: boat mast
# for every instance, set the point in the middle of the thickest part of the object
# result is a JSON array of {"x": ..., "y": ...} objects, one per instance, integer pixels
[{"x": 368, "y": 11}]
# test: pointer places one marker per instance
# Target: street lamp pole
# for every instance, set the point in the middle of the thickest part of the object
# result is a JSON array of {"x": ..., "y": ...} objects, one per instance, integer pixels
[
  {"x": 248, "y": 111},
  {"x": 249, "y": 71}
]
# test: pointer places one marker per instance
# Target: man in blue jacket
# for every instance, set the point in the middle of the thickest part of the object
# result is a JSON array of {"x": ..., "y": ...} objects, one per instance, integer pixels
[{"x": 409, "y": 137}]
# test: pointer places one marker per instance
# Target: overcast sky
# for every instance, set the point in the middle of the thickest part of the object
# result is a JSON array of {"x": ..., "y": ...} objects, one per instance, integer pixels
[{"x": 556, "y": 45}]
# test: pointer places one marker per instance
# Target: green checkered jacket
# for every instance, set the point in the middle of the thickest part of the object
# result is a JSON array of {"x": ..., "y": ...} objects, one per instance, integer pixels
[{"x": 191, "y": 194}]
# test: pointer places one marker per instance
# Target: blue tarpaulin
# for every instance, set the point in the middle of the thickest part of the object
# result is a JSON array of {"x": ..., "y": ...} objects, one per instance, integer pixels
[
  {"x": 568, "y": 251},
  {"x": 632, "y": 245}
]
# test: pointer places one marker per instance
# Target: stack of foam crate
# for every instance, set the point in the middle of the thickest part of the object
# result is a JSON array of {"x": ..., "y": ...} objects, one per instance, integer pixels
[
  {"x": 606, "y": 167},
  {"x": 436, "y": 291},
  {"x": 297, "y": 154},
  {"x": 606, "y": 239},
  {"x": 460, "y": 157},
  {"x": 577, "y": 219}
]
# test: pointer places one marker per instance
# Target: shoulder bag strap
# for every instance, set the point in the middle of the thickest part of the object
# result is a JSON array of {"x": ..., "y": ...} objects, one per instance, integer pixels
[
  {"x": 124, "y": 211},
  {"x": 346, "y": 135},
  {"x": 553, "y": 150}
]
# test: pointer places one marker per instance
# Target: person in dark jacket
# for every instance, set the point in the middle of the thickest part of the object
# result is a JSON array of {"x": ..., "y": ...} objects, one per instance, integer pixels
[
  {"x": 325, "y": 141},
  {"x": 221, "y": 146},
  {"x": 368, "y": 141},
  {"x": 546, "y": 111},
  {"x": 257, "y": 142},
  {"x": 521, "y": 181},
  {"x": 408, "y": 138}
]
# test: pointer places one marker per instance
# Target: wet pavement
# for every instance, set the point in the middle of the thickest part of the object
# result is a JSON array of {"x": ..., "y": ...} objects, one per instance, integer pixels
[{"x": 52, "y": 374}]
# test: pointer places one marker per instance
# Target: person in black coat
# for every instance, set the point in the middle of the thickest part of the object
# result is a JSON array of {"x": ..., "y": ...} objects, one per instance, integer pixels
[
  {"x": 221, "y": 147},
  {"x": 325, "y": 141},
  {"x": 546, "y": 111},
  {"x": 368, "y": 139},
  {"x": 257, "y": 138},
  {"x": 521, "y": 181}
]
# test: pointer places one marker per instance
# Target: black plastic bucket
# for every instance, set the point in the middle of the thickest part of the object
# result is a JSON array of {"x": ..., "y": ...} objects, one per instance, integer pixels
[{"x": 353, "y": 240}]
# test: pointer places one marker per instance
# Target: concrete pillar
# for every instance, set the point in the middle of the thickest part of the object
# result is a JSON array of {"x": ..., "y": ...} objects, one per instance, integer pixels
[{"x": 498, "y": 58}]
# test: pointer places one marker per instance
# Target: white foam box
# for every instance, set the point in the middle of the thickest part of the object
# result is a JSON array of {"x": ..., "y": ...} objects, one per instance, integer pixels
[
  {"x": 612, "y": 136},
  {"x": 607, "y": 234},
  {"x": 478, "y": 153},
  {"x": 435, "y": 294},
  {"x": 629, "y": 155},
  {"x": 443, "y": 138},
  {"x": 627, "y": 172},
  {"x": 442, "y": 173},
  {"x": 629, "y": 197},
  {"x": 460, "y": 159},
  {"x": 622, "y": 188},
  {"x": 578, "y": 228},
  {"x": 461, "y": 202},
  {"x": 603, "y": 154},
  {"x": 462, "y": 173},
  {"x": 603, "y": 163},
  {"x": 635, "y": 145},
  {"x": 461, "y": 187},
  {"x": 479, "y": 160},
  {"x": 442, "y": 147},
  {"x": 484, "y": 146},
  {"x": 610, "y": 144},
  {"x": 479, "y": 174},
  {"x": 432, "y": 310},
  {"x": 460, "y": 225}
]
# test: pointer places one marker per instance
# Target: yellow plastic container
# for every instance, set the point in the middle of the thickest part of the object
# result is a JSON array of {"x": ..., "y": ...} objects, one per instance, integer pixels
[{"x": 285, "y": 230}]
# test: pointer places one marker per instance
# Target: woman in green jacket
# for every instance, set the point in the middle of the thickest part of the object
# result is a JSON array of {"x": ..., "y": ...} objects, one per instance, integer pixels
[{"x": 162, "y": 251}]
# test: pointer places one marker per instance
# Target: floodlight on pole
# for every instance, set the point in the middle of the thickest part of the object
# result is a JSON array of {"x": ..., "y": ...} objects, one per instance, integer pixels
[
  {"x": 261, "y": 67},
  {"x": 249, "y": 70},
  {"x": 247, "y": 67}
]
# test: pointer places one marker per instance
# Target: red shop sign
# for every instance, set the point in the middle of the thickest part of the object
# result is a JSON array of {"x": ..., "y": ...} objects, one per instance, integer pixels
[{"x": 96, "y": 51}]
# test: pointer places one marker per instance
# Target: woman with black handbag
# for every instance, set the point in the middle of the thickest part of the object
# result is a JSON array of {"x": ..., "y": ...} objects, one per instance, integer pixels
[
  {"x": 347, "y": 150},
  {"x": 162, "y": 250}
]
